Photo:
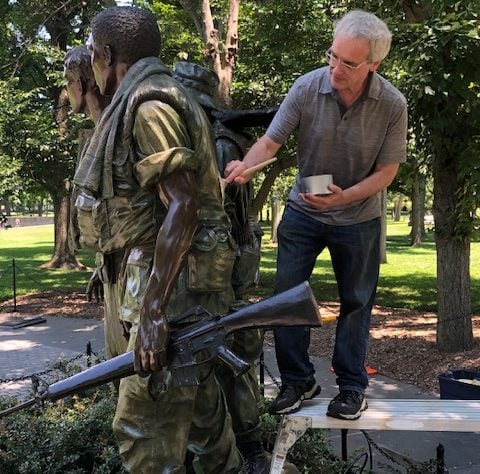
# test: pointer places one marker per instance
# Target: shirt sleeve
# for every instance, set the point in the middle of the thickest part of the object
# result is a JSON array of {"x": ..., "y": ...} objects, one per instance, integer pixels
[
  {"x": 287, "y": 118},
  {"x": 162, "y": 143},
  {"x": 394, "y": 147}
]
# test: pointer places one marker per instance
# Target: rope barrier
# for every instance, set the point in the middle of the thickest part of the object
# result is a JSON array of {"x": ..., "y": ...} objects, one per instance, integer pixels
[
  {"x": 26, "y": 275},
  {"x": 3, "y": 272}
]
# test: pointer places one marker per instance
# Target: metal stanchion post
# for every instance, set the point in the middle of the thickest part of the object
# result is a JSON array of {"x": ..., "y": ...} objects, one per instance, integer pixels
[
  {"x": 14, "y": 287},
  {"x": 262, "y": 373},
  {"x": 89, "y": 353}
]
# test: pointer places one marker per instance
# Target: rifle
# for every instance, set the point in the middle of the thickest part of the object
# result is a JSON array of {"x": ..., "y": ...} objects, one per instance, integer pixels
[
  {"x": 238, "y": 119},
  {"x": 206, "y": 338}
]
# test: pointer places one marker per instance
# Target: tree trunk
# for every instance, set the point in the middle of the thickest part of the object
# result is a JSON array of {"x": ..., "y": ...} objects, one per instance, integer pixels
[
  {"x": 223, "y": 55},
  {"x": 260, "y": 198},
  {"x": 276, "y": 216},
  {"x": 397, "y": 209},
  {"x": 454, "y": 326},
  {"x": 418, "y": 210},
  {"x": 64, "y": 255}
]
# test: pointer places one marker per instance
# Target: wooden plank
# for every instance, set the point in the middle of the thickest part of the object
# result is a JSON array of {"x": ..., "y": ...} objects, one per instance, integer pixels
[{"x": 400, "y": 414}]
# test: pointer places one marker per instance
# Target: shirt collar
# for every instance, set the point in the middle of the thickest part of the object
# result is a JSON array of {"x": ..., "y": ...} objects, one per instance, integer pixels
[
  {"x": 372, "y": 91},
  {"x": 374, "y": 86}
]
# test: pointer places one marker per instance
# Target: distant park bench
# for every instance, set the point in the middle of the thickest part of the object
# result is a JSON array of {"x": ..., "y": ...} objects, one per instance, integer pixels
[
  {"x": 382, "y": 414},
  {"x": 428, "y": 221}
]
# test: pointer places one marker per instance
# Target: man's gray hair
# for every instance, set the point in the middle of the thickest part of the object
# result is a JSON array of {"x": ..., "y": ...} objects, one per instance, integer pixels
[{"x": 361, "y": 24}]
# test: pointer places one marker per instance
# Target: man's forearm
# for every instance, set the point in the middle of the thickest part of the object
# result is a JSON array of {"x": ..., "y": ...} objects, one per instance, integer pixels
[
  {"x": 264, "y": 149},
  {"x": 380, "y": 179}
]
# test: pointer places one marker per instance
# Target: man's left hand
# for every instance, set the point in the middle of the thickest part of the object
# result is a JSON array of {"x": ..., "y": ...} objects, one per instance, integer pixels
[{"x": 324, "y": 202}]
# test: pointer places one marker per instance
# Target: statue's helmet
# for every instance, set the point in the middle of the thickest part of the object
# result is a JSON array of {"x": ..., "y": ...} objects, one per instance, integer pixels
[{"x": 200, "y": 82}]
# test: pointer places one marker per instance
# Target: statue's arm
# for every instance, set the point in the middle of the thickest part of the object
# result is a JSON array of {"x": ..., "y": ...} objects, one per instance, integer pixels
[
  {"x": 173, "y": 243},
  {"x": 158, "y": 130}
]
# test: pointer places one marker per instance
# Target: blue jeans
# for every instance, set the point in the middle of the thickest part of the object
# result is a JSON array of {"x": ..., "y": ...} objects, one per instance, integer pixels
[{"x": 355, "y": 255}]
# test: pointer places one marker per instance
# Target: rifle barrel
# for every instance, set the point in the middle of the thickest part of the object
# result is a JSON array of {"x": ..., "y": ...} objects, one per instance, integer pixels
[
  {"x": 20, "y": 406},
  {"x": 99, "y": 374}
]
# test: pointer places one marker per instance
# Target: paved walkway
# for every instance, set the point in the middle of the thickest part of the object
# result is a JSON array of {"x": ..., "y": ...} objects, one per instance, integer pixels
[{"x": 31, "y": 350}]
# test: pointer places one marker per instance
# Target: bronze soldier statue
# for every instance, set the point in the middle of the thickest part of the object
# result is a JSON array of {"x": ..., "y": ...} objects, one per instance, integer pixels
[
  {"x": 151, "y": 169},
  {"x": 231, "y": 142},
  {"x": 85, "y": 97},
  {"x": 241, "y": 392}
]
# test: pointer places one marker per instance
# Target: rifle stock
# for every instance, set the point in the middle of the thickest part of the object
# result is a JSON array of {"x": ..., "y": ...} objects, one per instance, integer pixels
[{"x": 294, "y": 307}]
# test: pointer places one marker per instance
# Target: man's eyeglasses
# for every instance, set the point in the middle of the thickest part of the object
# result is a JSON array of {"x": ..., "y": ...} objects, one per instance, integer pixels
[{"x": 334, "y": 61}]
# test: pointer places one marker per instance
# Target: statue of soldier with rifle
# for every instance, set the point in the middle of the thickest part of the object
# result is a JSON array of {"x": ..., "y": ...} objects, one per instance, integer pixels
[{"x": 151, "y": 168}]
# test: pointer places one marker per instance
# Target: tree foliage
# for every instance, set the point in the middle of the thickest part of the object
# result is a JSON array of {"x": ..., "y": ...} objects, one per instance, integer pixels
[
  {"x": 34, "y": 120},
  {"x": 30, "y": 134},
  {"x": 443, "y": 84}
]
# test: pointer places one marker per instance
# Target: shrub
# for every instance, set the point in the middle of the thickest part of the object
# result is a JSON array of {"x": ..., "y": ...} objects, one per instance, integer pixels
[{"x": 72, "y": 436}]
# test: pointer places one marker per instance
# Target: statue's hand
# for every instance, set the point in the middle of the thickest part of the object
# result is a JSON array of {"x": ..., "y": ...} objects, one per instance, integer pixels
[
  {"x": 152, "y": 341},
  {"x": 95, "y": 287}
]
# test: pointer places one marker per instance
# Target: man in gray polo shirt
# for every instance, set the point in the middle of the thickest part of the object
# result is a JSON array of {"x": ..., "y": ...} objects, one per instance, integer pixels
[{"x": 352, "y": 124}]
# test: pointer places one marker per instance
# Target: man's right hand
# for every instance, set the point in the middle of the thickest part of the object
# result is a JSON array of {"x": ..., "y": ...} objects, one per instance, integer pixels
[
  {"x": 264, "y": 149},
  {"x": 233, "y": 170},
  {"x": 95, "y": 287}
]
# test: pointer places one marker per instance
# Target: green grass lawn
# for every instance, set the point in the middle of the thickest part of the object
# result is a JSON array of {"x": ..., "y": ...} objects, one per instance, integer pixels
[
  {"x": 406, "y": 281},
  {"x": 31, "y": 247}
]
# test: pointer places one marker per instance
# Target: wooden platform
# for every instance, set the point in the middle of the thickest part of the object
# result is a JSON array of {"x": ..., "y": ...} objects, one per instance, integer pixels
[{"x": 382, "y": 414}]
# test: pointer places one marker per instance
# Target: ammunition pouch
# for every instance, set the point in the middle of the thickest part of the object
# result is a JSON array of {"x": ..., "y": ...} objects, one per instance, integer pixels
[
  {"x": 211, "y": 260},
  {"x": 109, "y": 265},
  {"x": 246, "y": 271}
]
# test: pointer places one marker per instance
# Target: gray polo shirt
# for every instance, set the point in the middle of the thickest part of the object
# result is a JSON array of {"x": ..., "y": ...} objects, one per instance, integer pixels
[{"x": 349, "y": 146}]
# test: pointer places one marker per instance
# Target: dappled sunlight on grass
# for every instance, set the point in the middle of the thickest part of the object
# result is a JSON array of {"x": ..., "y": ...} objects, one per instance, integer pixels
[{"x": 408, "y": 279}]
